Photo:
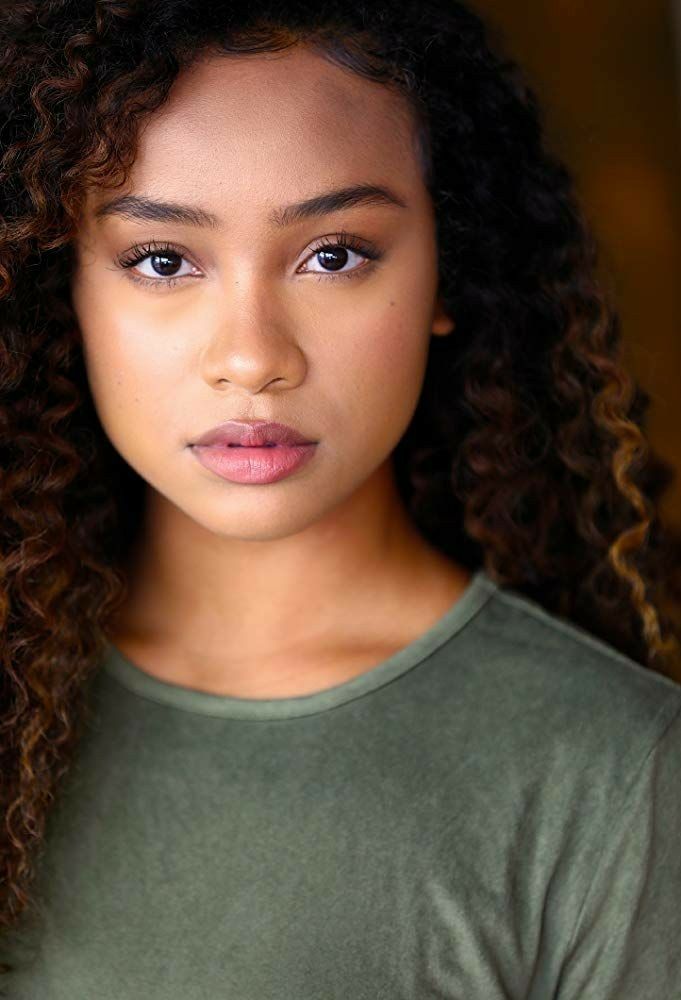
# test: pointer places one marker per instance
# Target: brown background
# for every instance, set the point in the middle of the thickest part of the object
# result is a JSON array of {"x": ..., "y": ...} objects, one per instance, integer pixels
[{"x": 606, "y": 73}]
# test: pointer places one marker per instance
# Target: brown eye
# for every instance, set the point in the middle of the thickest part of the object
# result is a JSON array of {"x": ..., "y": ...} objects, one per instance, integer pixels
[
  {"x": 154, "y": 264},
  {"x": 334, "y": 254},
  {"x": 165, "y": 264}
]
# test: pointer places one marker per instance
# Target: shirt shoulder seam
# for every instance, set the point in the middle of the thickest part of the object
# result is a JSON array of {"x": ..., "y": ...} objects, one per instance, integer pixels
[
  {"x": 582, "y": 636},
  {"x": 674, "y": 716}
]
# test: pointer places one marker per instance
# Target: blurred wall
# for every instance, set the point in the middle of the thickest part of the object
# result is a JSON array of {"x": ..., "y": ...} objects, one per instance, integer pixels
[{"x": 607, "y": 73}]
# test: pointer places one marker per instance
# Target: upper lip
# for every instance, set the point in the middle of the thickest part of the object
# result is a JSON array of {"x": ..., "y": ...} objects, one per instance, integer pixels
[{"x": 252, "y": 434}]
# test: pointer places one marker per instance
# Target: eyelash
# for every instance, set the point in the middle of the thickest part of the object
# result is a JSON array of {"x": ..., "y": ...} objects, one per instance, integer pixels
[{"x": 139, "y": 253}]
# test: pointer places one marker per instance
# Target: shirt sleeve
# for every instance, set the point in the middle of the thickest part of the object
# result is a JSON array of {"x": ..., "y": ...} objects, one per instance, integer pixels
[{"x": 626, "y": 943}]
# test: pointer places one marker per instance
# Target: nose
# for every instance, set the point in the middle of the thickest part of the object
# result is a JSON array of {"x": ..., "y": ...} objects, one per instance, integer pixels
[{"x": 252, "y": 344}]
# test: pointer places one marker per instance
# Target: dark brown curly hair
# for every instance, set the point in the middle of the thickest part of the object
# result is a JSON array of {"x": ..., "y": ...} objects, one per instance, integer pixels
[{"x": 526, "y": 453}]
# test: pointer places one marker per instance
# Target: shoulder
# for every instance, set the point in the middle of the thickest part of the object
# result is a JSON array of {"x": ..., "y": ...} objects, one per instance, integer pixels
[{"x": 567, "y": 684}]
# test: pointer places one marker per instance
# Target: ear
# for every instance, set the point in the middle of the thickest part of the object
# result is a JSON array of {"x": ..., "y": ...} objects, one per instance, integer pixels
[{"x": 442, "y": 323}]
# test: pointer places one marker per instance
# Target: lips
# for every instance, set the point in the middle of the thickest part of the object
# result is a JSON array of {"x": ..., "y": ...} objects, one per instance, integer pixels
[{"x": 252, "y": 434}]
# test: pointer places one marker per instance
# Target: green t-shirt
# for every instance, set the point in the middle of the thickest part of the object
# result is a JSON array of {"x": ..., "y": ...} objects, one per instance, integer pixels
[{"x": 492, "y": 812}]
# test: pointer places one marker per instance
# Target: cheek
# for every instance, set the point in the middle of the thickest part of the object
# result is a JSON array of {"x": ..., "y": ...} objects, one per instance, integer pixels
[
  {"x": 379, "y": 365},
  {"x": 124, "y": 350},
  {"x": 132, "y": 382},
  {"x": 390, "y": 334}
]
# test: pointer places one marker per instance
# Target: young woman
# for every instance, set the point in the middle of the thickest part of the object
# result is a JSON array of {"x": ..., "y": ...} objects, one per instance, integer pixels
[{"x": 332, "y": 649}]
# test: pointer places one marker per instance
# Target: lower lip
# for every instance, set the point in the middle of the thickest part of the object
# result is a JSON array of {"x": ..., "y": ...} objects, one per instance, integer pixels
[{"x": 254, "y": 465}]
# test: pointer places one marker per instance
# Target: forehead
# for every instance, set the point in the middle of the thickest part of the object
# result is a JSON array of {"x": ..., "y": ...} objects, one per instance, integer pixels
[{"x": 273, "y": 127}]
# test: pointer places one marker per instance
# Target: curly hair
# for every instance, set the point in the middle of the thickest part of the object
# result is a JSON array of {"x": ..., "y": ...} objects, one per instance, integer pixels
[{"x": 526, "y": 452}]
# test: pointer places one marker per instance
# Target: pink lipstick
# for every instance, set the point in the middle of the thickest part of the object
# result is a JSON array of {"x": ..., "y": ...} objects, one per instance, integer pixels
[{"x": 253, "y": 451}]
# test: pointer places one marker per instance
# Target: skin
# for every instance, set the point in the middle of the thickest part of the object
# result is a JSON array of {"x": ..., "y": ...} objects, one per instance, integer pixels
[{"x": 287, "y": 588}]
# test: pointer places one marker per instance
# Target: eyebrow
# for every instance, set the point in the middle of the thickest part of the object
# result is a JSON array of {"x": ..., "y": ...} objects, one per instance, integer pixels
[{"x": 143, "y": 209}]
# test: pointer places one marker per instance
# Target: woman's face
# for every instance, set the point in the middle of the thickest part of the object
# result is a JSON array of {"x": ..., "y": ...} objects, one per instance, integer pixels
[{"x": 242, "y": 318}]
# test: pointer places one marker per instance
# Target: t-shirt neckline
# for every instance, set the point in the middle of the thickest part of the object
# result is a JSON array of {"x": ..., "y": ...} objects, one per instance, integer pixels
[{"x": 478, "y": 591}]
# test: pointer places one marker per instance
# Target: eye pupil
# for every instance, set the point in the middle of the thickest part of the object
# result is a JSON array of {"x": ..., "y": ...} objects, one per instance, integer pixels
[
  {"x": 170, "y": 261},
  {"x": 333, "y": 255}
]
